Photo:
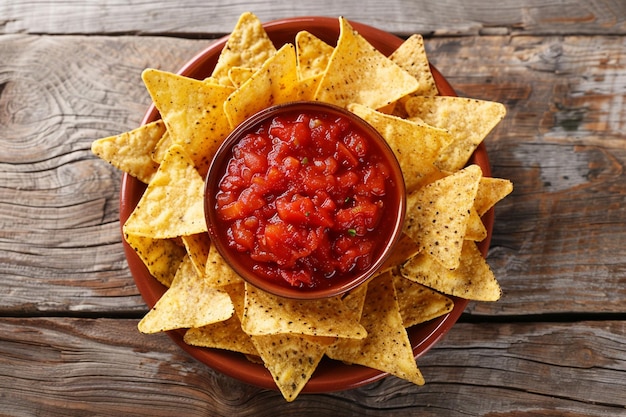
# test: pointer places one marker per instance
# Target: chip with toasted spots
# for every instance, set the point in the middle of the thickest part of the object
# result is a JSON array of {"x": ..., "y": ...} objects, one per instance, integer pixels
[
  {"x": 387, "y": 346},
  {"x": 188, "y": 303},
  {"x": 162, "y": 257},
  {"x": 473, "y": 279},
  {"x": 274, "y": 83},
  {"x": 247, "y": 46},
  {"x": 266, "y": 313},
  {"x": 312, "y": 54},
  {"x": 291, "y": 359},
  {"x": 411, "y": 56},
  {"x": 358, "y": 73},
  {"x": 193, "y": 112},
  {"x": 490, "y": 191},
  {"x": 218, "y": 272},
  {"x": 476, "y": 229},
  {"x": 131, "y": 151},
  {"x": 173, "y": 203},
  {"x": 415, "y": 145},
  {"x": 198, "y": 247},
  {"x": 438, "y": 213},
  {"x": 239, "y": 75},
  {"x": 418, "y": 303},
  {"x": 469, "y": 121}
]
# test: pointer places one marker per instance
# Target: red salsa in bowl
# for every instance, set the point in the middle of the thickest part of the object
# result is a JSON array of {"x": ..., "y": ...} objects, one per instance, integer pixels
[{"x": 305, "y": 200}]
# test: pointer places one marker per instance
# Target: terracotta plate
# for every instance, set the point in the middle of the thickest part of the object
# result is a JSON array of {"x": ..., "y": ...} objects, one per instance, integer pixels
[{"x": 330, "y": 375}]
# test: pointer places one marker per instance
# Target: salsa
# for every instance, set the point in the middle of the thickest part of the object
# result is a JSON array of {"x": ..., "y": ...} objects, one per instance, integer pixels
[{"x": 304, "y": 196}]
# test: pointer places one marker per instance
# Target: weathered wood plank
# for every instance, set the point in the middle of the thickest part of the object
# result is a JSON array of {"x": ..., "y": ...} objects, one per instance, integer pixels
[
  {"x": 189, "y": 18},
  {"x": 72, "y": 367},
  {"x": 559, "y": 239}
]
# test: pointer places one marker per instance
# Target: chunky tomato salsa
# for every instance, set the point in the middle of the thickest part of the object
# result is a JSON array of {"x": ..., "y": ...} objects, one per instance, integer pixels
[{"x": 304, "y": 196}]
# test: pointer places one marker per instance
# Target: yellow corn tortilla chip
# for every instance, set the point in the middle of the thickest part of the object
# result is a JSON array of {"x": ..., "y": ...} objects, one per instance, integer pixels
[
  {"x": 193, "y": 112},
  {"x": 469, "y": 121},
  {"x": 198, "y": 247},
  {"x": 476, "y": 230},
  {"x": 411, "y": 56},
  {"x": 438, "y": 213},
  {"x": 162, "y": 257},
  {"x": 405, "y": 249},
  {"x": 275, "y": 82},
  {"x": 418, "y": 303},
  {"x": 415, "y": 145},
  {"x": 189, "y": 302},
  {"x": 472, "y": 280},
  {"x": 131, "y": 151},
  {"x": 291, "y": 359},
  {"x": 173, "y": 203},
  {"x": 358, "y": 73},
  {"x": 490, "y": 191},
  {"x": 270, "y": 314},
  {"x": 225, "y": 334},
  {"x": 218, "y": 272},
  {"x": 387, "y": 346},
  {"x": 158, "y": 153},
  {"x": 239, "y": 75},
  {"x": 312, "y": 53},
  {"x": 247, "y": 46}
]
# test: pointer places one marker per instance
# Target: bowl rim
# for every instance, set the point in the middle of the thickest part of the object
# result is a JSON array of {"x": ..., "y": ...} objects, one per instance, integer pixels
[
  {"x": 341, "y": 285},
  {"x": 330, "y": 376}
]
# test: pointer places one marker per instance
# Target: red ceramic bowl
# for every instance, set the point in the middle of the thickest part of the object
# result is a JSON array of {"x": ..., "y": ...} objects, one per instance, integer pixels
[
  {"x": 387, "y": 234},
  {"x": 330, "y": 375}
]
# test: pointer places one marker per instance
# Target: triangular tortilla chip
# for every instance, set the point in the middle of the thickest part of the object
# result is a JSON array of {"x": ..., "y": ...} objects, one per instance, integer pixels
[
  {"x": 358, "y": 73},
  {"x": 312, "y": 53},
  {"x": 416, "y": 145},
  {"x": 247, "y": 46},
  {"x": 218, "y": 272},
  {"x": 275, "y": 82},
  {"x": 173, "y": 203},
  {"x": 438, "y": 213},
  {"x": 162, "y": 257},
  {"x": 476, "y": 230},
  {"x": 239, "y": 75},
  {"x": 189, "y": 302},
  {"x": 131, "y": 151},
  {"x": 469, "y": 121},
  {"x": 291, "y": 359},
  {"x": 193, "y": 112},
  {"x": 411, "y": 56},
  {"x": 490, "y": 191},
  {"x": 198, "y": 247},
  {"x": 472, "y": 280},
  {"x": 387, "y": 346},
  {"x": 419, "y": 303},
  {"x": 270, "y": 314}
]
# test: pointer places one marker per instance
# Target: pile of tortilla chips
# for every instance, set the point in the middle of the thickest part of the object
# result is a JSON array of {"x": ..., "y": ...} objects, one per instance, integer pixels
[{"x": 433, "y": 138}]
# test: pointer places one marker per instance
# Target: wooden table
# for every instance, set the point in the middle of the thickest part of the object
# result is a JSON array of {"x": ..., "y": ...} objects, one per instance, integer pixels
[{"x": 555, "y": 344}]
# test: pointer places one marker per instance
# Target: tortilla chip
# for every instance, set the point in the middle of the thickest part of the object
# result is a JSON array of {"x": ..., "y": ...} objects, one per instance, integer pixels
[
  {"x": 193, "y": 112},
  {"x": 270, "y": 314},
  {"x": 490, "y": 191},
  {"x": 189, "y": 302},
  {"x": 411, "y": 56},
  {"x": 162, "y": 257},
  {"x": 418, "y": 303},
  {"x": 131, "y": 151},
  {"x": 472, "y": 280},
  {"x": 387, "y": 346},
  {"x": 291, "y": 359},
  {"x": 476, "y": 230},
  {"x": 358, "y": 73},
  {"x": 239, "y": 75},
  {"x": 160, "y": 149},
  {"x": 275, "y": 83},
  {"x": 173, "y": 203},
  {"x": 247, "y": 46},
  {"x": 405, "y": 249},
  {"x": 469, "y": 121},
  {"x": 312, "y": 53},
  {"x": 438, "y": 213},
  {"x": 218, "y": 272},
  {"x": 198, "y": 247},
  {"x": 415, "y": 145}
]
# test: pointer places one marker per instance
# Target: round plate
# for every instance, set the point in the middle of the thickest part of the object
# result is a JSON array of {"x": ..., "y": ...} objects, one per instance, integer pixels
[{"x": 330, "y": 375}]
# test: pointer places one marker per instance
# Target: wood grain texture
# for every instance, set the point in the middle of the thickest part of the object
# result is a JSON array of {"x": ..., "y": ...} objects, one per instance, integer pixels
[
  {"x": 547, "y": 369},
  {"x": 190, "y": 18}
]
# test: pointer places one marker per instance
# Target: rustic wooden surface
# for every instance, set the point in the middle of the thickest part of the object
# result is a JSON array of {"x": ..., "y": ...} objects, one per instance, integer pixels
[{"x": 555, "y": 344}]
